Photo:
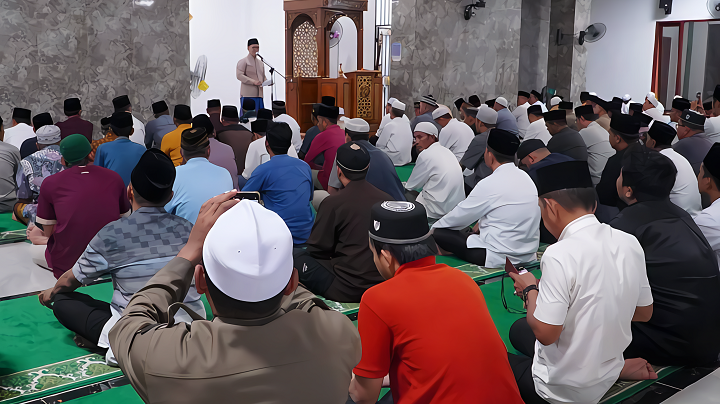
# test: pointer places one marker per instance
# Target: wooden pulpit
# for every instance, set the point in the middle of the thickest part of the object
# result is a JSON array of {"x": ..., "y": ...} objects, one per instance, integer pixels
[{"x": 307, "y": 30}]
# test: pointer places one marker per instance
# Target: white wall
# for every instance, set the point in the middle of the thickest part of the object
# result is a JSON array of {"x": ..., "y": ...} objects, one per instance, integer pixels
[
  {"x": 220, "y": 30},
  {"x": 622, "y": 61},
  {"x": 345, "y": 51}
]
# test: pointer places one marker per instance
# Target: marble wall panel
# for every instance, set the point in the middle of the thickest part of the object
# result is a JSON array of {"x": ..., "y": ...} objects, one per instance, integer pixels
[
  {"x": 96, "y": 50},
  {"x": 449, "y": 57},
  {"x": 534, "y": 41},
  {"x": 582, "y": 20},
  {"x": 562, "y": 16}
]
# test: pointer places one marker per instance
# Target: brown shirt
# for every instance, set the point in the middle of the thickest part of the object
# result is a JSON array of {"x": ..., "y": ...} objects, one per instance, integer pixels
[
  {"x": 248, "y": 70},
  {"x": 339, "y": 240},
  {"x": 300, "y": 355},
  {"x": 239, "y": 138}
]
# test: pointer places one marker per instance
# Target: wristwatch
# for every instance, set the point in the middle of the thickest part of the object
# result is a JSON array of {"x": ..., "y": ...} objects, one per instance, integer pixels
[{"x": 527, "y": 290}]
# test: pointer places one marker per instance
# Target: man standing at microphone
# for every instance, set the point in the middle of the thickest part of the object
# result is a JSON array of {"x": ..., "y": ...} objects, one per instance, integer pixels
[{"x": 251, "y": 73}]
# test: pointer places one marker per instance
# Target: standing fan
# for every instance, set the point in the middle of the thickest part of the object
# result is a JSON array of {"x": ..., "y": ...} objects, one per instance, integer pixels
[
  {"x": 197, "y": 77},
  {"x": 713, "y": 7},
  {"x": 593, "y": 33}
]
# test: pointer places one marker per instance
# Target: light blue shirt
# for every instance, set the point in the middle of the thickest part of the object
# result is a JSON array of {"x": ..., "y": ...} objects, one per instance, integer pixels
[
  {"x": 156, "y": 129},
  {"x": 506, "y": 121},
  {"x": 196, "y": 182}
]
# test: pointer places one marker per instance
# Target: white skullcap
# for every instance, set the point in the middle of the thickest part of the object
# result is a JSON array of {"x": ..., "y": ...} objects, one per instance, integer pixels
[
  {"x": 487, "y": 115},
  {"x": 502, "y": 101},
  {"x": 657, "y": 115},
  {"x": 391, "y": 101},
  {"x": 48, "y": 134},
  {"x": 554, "y": 101},
  {"x": 626, "y": 97},
  {"x": 427, "y": 127},
  {"x": 592, "y": 93},
  {"x": 398, "y": 105},
  {"x": 357, "y": 125},
  {"x": 251, "y": 263},
  {"x": 342, "y": 111},
  {"x": 651, "y": 97},
  {"x": 677, "y": 96},
  {"x": 440, "y": 111}
]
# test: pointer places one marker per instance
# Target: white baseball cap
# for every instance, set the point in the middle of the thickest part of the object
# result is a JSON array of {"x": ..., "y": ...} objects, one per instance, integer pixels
[
  {"x": 357, "y": 125},
  {"x": 440, "y": 111},
  {"x": 502, "y": 101},
  {"x": 487, "y": 115},
  {"x": 427, "y": 127},
  {"x": 253, "y": 263}
]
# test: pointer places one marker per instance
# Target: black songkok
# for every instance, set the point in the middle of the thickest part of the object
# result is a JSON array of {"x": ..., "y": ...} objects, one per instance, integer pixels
[
  {"x": 503, "y": 142},
  {"x": 153, "y": 176},
  {"x": 681, "y": 104},
  {"x": 328, "y": 100},
  {"x": 21, "y": 113},
  {"x": 72, "y": 105},
  {"x": 214, "y": 104},
  {"x": 203, "y": 121},
  {"x": 565, "y": 175},
  {"x": 353, "y": 157},
  {"x": 399, "y": 222},
  {"x": 662, "y": 133},
  {"x": 264, "y": 113},
  {"x": 625, "y": 124},
  {"x": 160, "y": 106},
  {"x": 182, "y": 113},
  {"x": 121, "y": 102},
  {"x": 474, "y": 100},
  {"x": 650, "y": 174},
  {"x": 712, "y": 160},
  {"x": 556, "y": 115},
  {"x": 194, "y": 139},
  {"x": 253, "y": 41},
  {"x": 279, "y": 136},
  {"x": 41, "y": 120},
  {"x": 121, "y": 120},
  {"x": 230, "y": 112}
]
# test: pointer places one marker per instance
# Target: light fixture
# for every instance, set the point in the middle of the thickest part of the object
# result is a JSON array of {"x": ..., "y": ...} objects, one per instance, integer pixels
[{"x": 470, "y": 8}]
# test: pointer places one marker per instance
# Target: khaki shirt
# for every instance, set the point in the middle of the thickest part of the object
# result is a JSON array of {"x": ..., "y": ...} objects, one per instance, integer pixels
[
  {"x": 302, "y": 354},
  {"x": 604, "y": 121},
  {"x": 248, "y": 70}
]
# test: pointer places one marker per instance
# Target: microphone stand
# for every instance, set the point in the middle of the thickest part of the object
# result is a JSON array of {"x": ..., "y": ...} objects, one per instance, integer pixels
[{"x": 272, "y": 75}]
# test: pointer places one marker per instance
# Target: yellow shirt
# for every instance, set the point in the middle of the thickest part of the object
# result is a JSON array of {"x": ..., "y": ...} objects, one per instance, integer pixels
[{"x": 171, "y": 144}]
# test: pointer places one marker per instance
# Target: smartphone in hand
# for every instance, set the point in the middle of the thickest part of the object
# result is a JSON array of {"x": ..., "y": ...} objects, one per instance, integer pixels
[
  {"x": 252, "y": 196},
  {"x": 510, "y": 268}
]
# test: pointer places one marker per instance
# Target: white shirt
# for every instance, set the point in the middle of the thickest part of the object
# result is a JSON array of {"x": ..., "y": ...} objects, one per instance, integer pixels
[
  {"x": 505, "y": 204},
  {"x": 257, "y": 154},
  {"x": 138, "y": 135},
  {"x": 456, "y": 137},
  {"x": 543, "y": 106},
  {"x": 685, "y": 193},
  {"x": 520, "y": 114},
  {"x": 296, "y": 138},
  {"x": 712, "y": 129},
  {"x": 593, "y": 278},
  {"x": 396, "y": 141},
  {"x": 438, "y": 173},
  {"x": 538, "y": 130},
  {"x": 386, "y": 120},
  {"x": 709, "y": 223},
  {"x": 18, "y": 134},
  {"x": 597, "y": 140}
]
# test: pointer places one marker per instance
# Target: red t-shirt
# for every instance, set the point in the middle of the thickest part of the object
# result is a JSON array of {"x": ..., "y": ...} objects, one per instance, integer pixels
[
  {"x": 326, "y": 142},
  {"x": 430, "y": 328},
  {"x": 79, "y": 201}
]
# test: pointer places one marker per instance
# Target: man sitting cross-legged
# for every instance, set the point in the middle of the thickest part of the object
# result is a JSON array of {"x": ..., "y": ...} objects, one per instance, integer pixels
[
  {"x": 681, "y": 265},
  {"x": 593, "y": 285},
  {"x": 432, "y": 355},
  {"x": 337, "y": 263},
  {"x": 131, "y": 250}
]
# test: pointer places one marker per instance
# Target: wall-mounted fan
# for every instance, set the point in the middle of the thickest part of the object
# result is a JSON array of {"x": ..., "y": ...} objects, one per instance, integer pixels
[
  {"x": 336, "y": 34},
  {"x": 713, "y": 7},
  {"x": 197, "y": 77},
  {"x": 593, "y": 33}
]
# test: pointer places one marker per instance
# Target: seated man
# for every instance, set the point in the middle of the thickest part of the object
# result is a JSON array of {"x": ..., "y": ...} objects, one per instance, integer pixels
[
  {"x": 108, "y": 136},
  {"x": 325, "y": 143},
  {"x": 454, "y": 135},
  {"x": 597, "y": 140},
  {"x": 693, "y": 144},
  {"x": 381, "y": 173},
  {"x": 337, "y": 263},
  {"x": 505, "y": 207},
  {"x": 681, "y": 266},
  {"x": 685, "y": 193},
  {"x": 284, "y": 182},
  {"x": 506, "y": 120},
  {"x": 9, "y": 167},
  {"x": 76, "y": 203},
  {"x": 438, "y": 361},
  {"x": 220, "y": 154},
  {"x": 270, "y": 341},
  {"x": 156, "y": 129},
  {"x": 578, "y": 317},
  {"x": 198, "y": 179},
  {"x": 396, "y": 138},
  {"x": 564, "y": 140},
  {"x": 34, "y": 169},
  {"x": 29, "y": 146},
  {"x": 537, "y": 128},
  {"x": 473, "y": 163},
  {"x": 182, "y": 117},
  {"x": 257, "y": 153},
  {"x": 437, "y": 174},
  {"x": 709, "y": 184},
  {"x": 314, "y": 130},
  {"x": 214, "y": 110},
  {"x": 624, "y": 131},
  {"x": 74, "y": 123},
  {"x": 131, "y": 250},
  {"x": 121, "y": 155},
  {"x": 533, "y": 155},
  {"x": 280, "y": 115},
  {"x": 234, "y": 135},
  {"x": 249, "y": 110}
]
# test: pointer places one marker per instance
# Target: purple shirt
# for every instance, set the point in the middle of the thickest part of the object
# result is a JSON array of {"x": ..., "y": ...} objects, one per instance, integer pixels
[
  {"x": 74, "y": 124},
  {"x": 223, "y": 155}
]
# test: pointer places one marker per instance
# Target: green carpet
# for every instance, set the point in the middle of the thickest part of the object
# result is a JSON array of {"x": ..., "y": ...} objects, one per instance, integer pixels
[
  {"x": 10, "y": 230},
  {"x": 7, "y": 223},
  {"x": 404, "y": 171}
]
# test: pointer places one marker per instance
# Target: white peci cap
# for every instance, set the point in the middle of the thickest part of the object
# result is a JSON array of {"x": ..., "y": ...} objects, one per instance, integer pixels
[
  {"x": 651, "y": 97},
  {"x": 391, "y": 100},
  {"x": 502, "y": 101},
  {"x": 398, "y": 105},
  {"x": 440, "y": 111},
  {"x": 487, "y": 115},
  {"x": 555, "y": 101},
  {"x": 427, "y": 127},
  {"x": 254, "y": 263},
  {"x": 357, "y": 125}
]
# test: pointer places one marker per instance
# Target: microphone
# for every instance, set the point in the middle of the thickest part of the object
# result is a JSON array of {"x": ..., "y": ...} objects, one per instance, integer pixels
[{"x": 260, "y": 56}]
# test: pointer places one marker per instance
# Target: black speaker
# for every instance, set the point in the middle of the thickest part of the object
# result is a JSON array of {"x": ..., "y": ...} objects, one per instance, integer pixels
[{"x": 667, "y": 6}]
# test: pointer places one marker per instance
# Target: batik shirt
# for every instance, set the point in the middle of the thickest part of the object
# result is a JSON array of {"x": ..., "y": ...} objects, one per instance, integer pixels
[{"x": 34, "y": 169}]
